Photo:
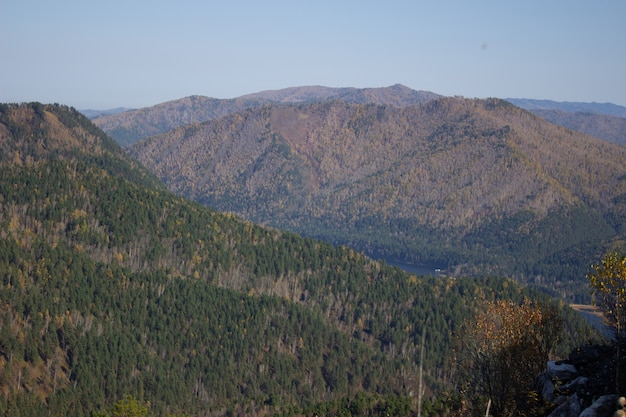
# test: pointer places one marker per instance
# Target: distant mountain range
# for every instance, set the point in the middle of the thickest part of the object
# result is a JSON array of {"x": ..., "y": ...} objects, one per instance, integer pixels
[
  {"x": 609, "y": 109},
  {"x": 476, "y": 186},
  {"x": 604, "y": 120},
  {"x": 92, "y": 114},
  {"x": 131, "y": 126}
]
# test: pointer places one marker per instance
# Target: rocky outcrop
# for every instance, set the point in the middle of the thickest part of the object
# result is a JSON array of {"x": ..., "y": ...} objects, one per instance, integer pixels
[
  {"x": 569, "y": 408},
  {"x": 583, "y": 385},
  {"x": 603, "y": 406},
  {"x": 561, "y": 370}
]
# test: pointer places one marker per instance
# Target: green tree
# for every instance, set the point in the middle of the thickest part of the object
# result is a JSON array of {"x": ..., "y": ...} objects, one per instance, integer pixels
[
  {"x": 129, "y": 406},
  {"x": 608, "y": 286}
]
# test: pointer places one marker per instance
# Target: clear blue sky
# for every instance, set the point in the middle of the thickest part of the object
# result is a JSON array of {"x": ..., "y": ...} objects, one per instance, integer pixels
[{"x": 134, "y": 53}]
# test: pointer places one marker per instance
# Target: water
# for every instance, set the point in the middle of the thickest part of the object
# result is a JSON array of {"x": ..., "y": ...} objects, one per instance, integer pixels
[
  {"x": 427, "y": 270},
  {"x": 595, "y": 318}
]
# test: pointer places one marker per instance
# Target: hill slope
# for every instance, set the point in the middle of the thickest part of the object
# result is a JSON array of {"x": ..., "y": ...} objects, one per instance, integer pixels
[
  {"x": 111, "y": 285},
  {"x": 131, "y": 126},
  {"x": 473, "y": 185}
]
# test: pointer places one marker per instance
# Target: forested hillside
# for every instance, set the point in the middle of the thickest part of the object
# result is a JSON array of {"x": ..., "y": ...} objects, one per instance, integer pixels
[
  {"x": 112, "y": 286},
  {"x": 473, "y": 186},
  {"x": 131, "y": 126}
]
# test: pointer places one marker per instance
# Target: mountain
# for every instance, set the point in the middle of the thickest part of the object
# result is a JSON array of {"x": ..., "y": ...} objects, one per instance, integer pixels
[
  {"x": 605, "y": 121},
  {"x": 127, "y": 126},
  {"x": 609, "y": 109},
  {"x": 92, "y": 114},
  {"x": 112, "y": 286},
  {"x": 396, "y": 95},
  {"x": 131, "y": 126},
  {"x": 610, "y": 128},
  {"x": 471, "y": 186}
]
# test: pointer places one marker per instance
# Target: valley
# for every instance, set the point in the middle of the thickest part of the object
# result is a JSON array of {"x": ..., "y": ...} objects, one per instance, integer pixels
[
  {"x": 114, "y": 288},
  {"x": 477, "y": 186}
]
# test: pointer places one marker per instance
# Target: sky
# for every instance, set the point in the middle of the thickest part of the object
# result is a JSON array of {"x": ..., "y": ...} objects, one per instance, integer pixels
[{"x": 137, "y": 53}]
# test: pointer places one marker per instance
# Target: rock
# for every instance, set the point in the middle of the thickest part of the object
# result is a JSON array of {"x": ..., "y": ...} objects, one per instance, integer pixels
[
  {"x": 561, "y": 399},
  {"x": 602, "y": 407},
  {"x": 577, "y": 385},
  {"x": 570, "y": 408},
  {"x": 545, "y": 387},
  {"x": 561, "y": 371}
]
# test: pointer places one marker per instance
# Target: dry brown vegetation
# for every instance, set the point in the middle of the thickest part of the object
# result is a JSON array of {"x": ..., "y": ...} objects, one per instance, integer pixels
[
  {"x": 129, "y": 127},
  {"x": 451, "y": 180}
]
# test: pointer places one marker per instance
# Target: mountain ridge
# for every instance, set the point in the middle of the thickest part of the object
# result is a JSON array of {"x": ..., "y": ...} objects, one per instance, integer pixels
[
  {"x": 602, "y": 120},
  {"x": 92, "y": 114},
  {"x": 396, "y": 95},
  {"x": 136, "y": 124},
  {"x": 131, "y": 126},
  {"x": 609, "y": 109},
  {"x": 610, "y": 128}
]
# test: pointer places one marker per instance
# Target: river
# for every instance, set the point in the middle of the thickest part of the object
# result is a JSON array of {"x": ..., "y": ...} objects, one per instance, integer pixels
[{"x": 427, "y": 270}]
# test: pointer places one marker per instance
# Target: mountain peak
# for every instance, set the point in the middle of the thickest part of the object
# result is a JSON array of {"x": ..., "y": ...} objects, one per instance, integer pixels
[
  {"x": 33, "y": 132},
  {"x": 39, "y": 131}
]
